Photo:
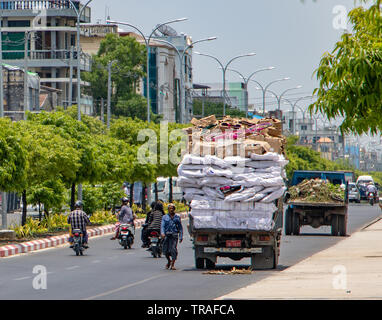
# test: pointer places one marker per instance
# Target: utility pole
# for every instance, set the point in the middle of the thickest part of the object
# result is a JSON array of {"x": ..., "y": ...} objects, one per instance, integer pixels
[
  {"x": 109, "y": 93},
  {"x": 26, "y": 89},
  {"x": 4, "y": 222},
  {"x": 70, "y": 98}
]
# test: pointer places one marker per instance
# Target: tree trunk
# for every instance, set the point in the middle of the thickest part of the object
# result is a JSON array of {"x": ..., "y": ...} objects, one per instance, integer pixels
[
  {"x": 144, "y": 198},
  {"x": 170, "y": 190},
  {"x": 73, "y": 197},
  {"x": 156, "y": 191},
  {"x": 24, "y": 215},
  {"x": 131, "y": 194}
]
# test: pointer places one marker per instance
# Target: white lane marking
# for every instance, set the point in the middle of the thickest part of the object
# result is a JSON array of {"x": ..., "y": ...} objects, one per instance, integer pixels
[
  {"x": 96, "y": 261},
  {"x": 125, "y": 287},
  {"x": 72, "y": 268},
  {"x": 23, "y": 278}
]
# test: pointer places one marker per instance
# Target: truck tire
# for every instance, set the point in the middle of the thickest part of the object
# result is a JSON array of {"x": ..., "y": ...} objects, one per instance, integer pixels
[
  {"x": 199, "y": 263},
  {"x": 296, "y": 224},
  {"x": 288, "y": 221},
  {"x": 335, "y": 225},
  {"x": 210, "y": 264},
  {"x": 265, "y": 260},
  {"x": 342, "y": 225}
]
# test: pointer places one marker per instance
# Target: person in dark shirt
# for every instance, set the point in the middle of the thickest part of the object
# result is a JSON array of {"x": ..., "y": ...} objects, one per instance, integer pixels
[{"x": 144, "y": 232}]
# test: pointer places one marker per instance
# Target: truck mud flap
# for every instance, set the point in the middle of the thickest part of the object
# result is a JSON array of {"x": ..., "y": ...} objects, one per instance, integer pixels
[{"x": 266, "y": 260}]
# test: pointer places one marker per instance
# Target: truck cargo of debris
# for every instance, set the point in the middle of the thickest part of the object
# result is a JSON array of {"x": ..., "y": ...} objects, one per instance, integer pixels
[
  {"x": 233, "y": 176},
  {"x": 316, "y": 190}
]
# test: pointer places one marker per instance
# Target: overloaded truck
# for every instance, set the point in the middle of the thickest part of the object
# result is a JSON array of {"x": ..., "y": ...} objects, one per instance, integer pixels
[
  {"x": 234, "y": 179},
  {"x": 318, "y": 198}
]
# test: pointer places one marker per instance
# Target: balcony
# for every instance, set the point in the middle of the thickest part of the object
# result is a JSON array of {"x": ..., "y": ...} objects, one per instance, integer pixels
[
  {"x": 52, "y": 8},
  {"x": 46, "y": 58}
]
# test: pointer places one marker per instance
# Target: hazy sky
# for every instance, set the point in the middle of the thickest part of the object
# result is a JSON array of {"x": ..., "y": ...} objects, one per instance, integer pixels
[{"x": 287, "y": 34}]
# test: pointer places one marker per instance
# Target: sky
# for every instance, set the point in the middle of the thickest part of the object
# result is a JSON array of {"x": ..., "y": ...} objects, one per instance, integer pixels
[{"x": 290, "y": 35}]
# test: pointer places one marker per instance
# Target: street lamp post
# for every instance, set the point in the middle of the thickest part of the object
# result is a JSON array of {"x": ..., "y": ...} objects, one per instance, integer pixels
[
  {"x": 224, "y": 70},
  {"x": 79, "y": 14},
  {"x": 265, "y": 88},
  {"x": 293, "y": 108},
  {"x": 181, "y": 59},
  {"x": 147, "y": 42},
  {"x": 246, "y": 80}
]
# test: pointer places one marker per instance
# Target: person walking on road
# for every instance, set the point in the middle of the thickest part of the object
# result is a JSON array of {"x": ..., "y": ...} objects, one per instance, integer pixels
[{"x": 171, "y": 231}]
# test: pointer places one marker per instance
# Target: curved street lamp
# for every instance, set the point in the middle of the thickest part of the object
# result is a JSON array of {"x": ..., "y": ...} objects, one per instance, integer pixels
[
  {"x": 293, "y": 108},
  {"x": 147, "y": 42},
  {"x": 181, "y": 59},
  {"x": 246, "y": 80},
  {"x": 224, "y": 69},
  {"x": 264, "y": 89}
]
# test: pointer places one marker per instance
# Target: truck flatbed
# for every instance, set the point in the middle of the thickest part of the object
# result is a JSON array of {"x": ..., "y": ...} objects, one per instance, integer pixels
[{"x": 317, "y": 204}]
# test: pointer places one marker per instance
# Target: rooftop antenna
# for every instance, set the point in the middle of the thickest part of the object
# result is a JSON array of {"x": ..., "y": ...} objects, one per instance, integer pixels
[{"x": 107, "y": 13}]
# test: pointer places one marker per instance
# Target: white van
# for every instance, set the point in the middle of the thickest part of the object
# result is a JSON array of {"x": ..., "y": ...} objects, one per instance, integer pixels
[
  {"x": 164, "y": 189},
  {"x": 364, "y": 180}
]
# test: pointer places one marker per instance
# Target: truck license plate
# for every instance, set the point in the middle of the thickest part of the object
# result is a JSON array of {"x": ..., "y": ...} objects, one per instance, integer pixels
[
  {"x": 233, "y": 243},
  {"x": 232, "y": 250}
]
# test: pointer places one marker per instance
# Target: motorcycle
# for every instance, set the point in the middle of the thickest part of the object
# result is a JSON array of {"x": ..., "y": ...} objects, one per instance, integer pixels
[
  {"x": 155, "y": 244},
  {"x": 78, "y": 245},
  {"x": 126, "y": 235},
  {"x": 371, "y": 197}
]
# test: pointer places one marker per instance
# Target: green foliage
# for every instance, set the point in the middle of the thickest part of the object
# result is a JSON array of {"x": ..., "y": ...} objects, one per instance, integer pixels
[
  {"x": 13, "y": 162},
  {"x": 351, "y": 75},
  {"x": 103, "y": 218}
]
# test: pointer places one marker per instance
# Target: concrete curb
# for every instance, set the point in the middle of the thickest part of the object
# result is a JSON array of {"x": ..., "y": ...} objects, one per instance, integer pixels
[{"x": 25, "y": 247}]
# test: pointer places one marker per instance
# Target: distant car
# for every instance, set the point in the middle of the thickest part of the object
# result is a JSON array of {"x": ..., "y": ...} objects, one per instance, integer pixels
[{"x": 354, "y": 193}]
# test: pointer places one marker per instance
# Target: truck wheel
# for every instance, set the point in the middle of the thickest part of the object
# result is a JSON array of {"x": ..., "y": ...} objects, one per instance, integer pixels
[
  {"x": 334, "y": 225},
  {"x": 296, "y": 224},
  {"x": 265, "y": 260},
  {"x": 210, "y": 264},
  {"x": 199, "y": 263},
  {"x": 342, "y": 225},
  {"x": 288, "y": 221}
]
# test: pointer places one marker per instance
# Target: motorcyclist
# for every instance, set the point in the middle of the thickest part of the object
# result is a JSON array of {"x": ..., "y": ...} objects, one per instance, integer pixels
[
  {"x": 78, "y": 220},
  {"x": 371, "y": 188},
  {"x": 144, "y": 232},
  {"x": 125, "y": 215},
  {"x": 155, "y": 218}
]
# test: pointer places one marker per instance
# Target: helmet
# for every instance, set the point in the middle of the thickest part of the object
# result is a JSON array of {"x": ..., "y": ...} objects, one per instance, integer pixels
[
  {"x": 124, "y": 199},
  {"x": 78, "y": 204}
]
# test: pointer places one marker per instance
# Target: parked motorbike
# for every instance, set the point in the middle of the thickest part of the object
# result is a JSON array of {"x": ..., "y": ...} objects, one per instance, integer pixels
[
  {"x": 126, "y": 235},
  {"x": 371, "y": 197},
  {"x": 155, "y": 244},
  {"x": 78, "y": 244}
]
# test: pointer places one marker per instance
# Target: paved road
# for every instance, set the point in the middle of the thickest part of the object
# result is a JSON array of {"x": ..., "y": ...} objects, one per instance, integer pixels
[{"x": 109, "y": 272}]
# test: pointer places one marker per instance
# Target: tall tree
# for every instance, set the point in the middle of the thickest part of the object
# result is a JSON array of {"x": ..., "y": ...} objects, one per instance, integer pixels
[{"x": 351, "y": 75}]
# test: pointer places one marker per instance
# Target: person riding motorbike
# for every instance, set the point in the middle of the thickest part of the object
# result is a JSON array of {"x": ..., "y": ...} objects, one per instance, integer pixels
[
  {"x": 78, "y": 220},
  {"x": 144, "y": 232},
  {"x": 155, "y": 218},
  {"x": 371, "y": 188},
  {"x": 125, "y": 215}
]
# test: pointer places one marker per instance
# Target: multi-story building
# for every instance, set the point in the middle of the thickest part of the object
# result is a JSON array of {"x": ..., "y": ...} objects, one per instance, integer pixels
[
  {"x": 235, "y": 91},
  {"x": 41, "y": 36},
  {"x": 14, "y": 93},
  {"x": 164, "y": 69}
]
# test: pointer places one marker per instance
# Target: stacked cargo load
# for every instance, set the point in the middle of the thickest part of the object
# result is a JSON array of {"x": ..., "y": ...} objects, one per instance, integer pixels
[{"x": 233, "y": 173}]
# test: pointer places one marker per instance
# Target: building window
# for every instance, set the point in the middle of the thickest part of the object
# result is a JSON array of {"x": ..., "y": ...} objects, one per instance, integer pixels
[
  {"x": 19, "y": 23},
  {"x": 304, "y": 128}
]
